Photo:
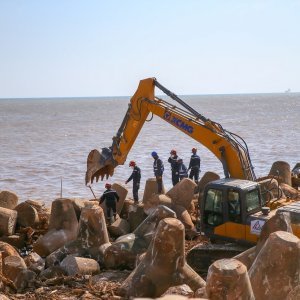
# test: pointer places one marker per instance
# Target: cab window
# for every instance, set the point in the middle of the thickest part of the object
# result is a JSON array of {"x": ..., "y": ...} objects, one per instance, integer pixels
[
  {"x": 234, "y": 206},
  {"x": 213, "y": 207},
  {"x": 252, "y": 200}
]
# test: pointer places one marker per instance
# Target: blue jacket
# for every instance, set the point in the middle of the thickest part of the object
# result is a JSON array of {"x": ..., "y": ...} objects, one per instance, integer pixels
[
  {"x": 183, "y": 170},
  {"x": 158, "y": 167},
  {"x": 136, "y": 175},
  {"x": 195, "y": 162},
  {"x": 174, "y": 163}
]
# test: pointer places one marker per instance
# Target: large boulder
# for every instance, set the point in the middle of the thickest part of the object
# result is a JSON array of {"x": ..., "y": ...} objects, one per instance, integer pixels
[
  {"x": 290, "y": 192},
  {"x": 270, "y": 189},
  {"x": 63, "y": 227},
  {"x": 150, "y": 189},
  {"x": 8, "y": 221},
  {"x": 8, "y": 199},
  {"x": 34, "y": 262},
  {"x": 92, "y": 233},
  {"x": 80, "y": 265},
  {"x": 12, "y": 265},
  {"x": 205, "y": 179},
  {"x": 183, "y": 290},
  {"x": 279, "y": 222},
  {"x": 182, "y": 193},
  {"x": 27, "y": 215},
  {"x": 163, "y": 266},
  {"x": 8, "y": 250},
  {"x": 228, "y": 279},
  {"x": 119, "y": 227},
  {"x": 282, "y": 172},
  {"x": 275, "y": 271},
  {"x": 125, "y": 250},
  {"x": 136, "y": 216},
  {"x": 247, "y": 257},
  {"x": 183, "y": 215}
]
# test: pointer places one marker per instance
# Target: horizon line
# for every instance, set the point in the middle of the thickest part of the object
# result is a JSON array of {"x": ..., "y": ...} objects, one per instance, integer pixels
[{"x": 182, "y": 95}]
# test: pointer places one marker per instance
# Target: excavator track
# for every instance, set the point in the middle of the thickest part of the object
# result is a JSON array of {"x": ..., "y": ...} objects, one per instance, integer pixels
[{"x": 201, "y": 256}]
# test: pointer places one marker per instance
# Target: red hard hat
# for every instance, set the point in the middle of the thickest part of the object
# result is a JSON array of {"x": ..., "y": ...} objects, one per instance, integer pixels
[
  {"x": 173, "y": 152},
  {"x": 194, "y": 150},
  {"x": 107, "y": 185},
  {"x": 132, "y": 163}
]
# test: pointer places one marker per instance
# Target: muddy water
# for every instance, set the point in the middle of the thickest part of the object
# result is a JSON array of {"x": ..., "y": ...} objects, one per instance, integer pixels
[{"x": 45, "y": 140}]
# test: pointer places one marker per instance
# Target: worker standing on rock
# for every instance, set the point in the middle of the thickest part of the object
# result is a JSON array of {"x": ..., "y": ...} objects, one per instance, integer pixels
[
  {"x": 158, "y": 169},
  {"x": 194, "y": 166},
  {"x": 182, "y": 169},
  {"x": 174, "y": 166},
  {"x": 111, "y": 198},
  {"x": 136, "y": 177}
]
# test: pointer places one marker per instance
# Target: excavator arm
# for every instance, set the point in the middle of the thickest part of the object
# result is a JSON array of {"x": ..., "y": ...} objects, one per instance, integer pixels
[{"x": 229, "y": 148}]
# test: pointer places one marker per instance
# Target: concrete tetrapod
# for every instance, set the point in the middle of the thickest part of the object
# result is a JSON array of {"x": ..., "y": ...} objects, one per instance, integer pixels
[
  {"x": 124, "y": 251},
  {"x": 279, "y": 222},
  {"x": 228, "y": 279},
  {"x": 182, "y": 193},
  {"x": 92, "y": 234},
  {"x": 8, "y": 199},
  {"x": 205, "y": 179},
  {"x": 63, "y": 228},
  {"x": 275, "y": 271},
  {"x": 150, "y": 189},
  {"x": 282, "y": 170},
  {"x": 163, "y": 266},
  {"x": 8, "y": 221}
]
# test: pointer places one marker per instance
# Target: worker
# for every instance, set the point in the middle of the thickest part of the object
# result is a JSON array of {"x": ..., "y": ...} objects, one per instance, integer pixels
[
  {"x": 194, "y": 166},
  {"x": 110, "y": 197},
  {"x": 158, "y": 168},
  {"x": 234, "y": 207},
  {"x": 174, "y": 166},
  {"x": 182, "y": 169},
  {"x": 136, "y": 177}
]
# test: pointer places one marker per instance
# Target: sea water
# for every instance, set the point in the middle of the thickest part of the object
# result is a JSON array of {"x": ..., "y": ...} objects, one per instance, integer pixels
[{"x": 45, "y": 142}]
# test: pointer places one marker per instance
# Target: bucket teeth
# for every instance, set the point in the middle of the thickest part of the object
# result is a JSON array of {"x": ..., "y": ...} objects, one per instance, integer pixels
[{"x": 99, "y": 165}]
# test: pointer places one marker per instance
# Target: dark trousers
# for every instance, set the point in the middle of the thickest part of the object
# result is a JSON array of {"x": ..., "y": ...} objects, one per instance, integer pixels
[
  {"x": 111, "y": 207},
  {"x": 159, "y": 184},
  {"x": 194, "y": 174},
  {"x": 175, "y": 178},
  {"x": 135, "y": 191},
  {"x": 182, "y": 177}
]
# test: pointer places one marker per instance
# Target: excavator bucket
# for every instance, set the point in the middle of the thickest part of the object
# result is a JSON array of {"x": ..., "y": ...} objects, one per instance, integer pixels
[{"x": 99, "y": 165}]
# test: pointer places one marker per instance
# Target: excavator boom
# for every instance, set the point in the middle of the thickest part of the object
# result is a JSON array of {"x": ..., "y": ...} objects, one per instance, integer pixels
[{"x": 229, "y": 148}]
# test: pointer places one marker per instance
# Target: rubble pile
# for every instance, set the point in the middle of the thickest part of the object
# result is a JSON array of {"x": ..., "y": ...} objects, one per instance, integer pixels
[{"x": 70, "y": 250}]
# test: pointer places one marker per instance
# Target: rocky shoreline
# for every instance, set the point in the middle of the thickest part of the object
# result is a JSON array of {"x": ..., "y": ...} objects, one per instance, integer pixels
[{"x": 69, "y": 252}]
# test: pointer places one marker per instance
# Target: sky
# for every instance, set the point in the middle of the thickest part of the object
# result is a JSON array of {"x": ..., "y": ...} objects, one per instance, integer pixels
[{"x": 71, "y": 48}]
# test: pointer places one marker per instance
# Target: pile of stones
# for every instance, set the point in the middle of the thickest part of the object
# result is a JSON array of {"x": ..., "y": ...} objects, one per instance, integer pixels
[{"x": 72, "y": 238}]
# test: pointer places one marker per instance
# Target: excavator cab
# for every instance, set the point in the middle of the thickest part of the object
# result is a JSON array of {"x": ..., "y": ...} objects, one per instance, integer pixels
[{"x": 226, "y": 209}]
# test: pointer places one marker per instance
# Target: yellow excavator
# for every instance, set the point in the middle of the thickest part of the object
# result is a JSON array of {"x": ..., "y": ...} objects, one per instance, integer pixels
[
  {"x": 231, "y": 207},
  {"x": 226, "y": 146}
]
